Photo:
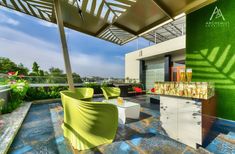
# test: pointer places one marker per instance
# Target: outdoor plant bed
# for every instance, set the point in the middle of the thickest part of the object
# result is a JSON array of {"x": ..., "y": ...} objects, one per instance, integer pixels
[
  {"x": 40, "y": 93},
  {"x": 17, "y": 92},
  {"x": 12, "y": 122}
]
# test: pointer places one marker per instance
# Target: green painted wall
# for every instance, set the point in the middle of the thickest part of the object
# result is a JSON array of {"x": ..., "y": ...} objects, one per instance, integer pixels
[{"x": 210, "y": 51}]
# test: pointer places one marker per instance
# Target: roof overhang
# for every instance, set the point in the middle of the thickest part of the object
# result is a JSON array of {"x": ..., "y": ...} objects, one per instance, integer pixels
[{"x": 117, "y": 21}]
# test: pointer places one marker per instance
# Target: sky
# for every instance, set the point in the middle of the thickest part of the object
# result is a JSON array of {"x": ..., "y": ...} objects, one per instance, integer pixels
[{"x": 25, "y": 39}]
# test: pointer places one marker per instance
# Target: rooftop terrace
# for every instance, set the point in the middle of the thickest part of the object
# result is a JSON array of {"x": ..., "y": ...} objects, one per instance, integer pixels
[
  {"x": 172, "y": 118},
  {"x": 41, "y": 132}
]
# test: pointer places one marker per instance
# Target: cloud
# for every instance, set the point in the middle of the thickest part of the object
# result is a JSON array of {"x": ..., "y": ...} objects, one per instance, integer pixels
[
  {"x": 23, "y": 48},
  {"x": 12, "y": 11},
  {"x": 7, "y": 20},
  {"x": 52, "y": 25},
  {"x": 95, "y": 65},
  {"x": 120, "y": 58},
  {"x": 46, "y": 23}
]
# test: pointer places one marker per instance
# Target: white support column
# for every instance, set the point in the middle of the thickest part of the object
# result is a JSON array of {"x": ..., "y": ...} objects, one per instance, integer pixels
[{"x": 60, "y": 23}]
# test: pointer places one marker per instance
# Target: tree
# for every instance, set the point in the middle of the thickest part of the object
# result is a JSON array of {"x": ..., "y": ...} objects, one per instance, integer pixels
[
  {"x": 22, "y": 70},
  {"x": 35, "y": 68},
  {"x": 46, "y": 73},
  {"x": 57, "y": 75},
  {"x": 41, "y": 73},
  {"x": 77, "y": 78},
  {"x": 6, "y": 65},
  {"x": 56, "y": 71}
]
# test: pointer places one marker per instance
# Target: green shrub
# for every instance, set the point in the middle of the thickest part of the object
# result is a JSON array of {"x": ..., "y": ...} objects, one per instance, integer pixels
[
  {"x": 93, "y": 85},
  {"x": 1, "y": 104},
  {"x": 18, "y": 91},
  {"x": 96, "y": 86},
  {"x": 39, "y": 93}
]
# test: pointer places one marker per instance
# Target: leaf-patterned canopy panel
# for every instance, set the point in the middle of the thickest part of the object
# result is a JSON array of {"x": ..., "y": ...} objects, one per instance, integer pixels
[{"x": 117, "y": 21}]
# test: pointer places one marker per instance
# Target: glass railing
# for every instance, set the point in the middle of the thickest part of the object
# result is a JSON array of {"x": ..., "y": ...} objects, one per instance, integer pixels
[
  {"x": 62, "y": 80},
  {"x": 40, "y": 79}
]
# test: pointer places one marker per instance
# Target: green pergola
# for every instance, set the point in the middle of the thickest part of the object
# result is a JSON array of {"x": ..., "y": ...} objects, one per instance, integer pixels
[{"x": 117, "y": 21}]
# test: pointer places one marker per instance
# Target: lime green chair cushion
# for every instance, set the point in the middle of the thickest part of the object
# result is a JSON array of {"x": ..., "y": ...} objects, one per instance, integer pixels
[
  {"x": 85, "y": 93},
  {"x": 88, "y": 124},
  {"x": 111, "y": 92}
]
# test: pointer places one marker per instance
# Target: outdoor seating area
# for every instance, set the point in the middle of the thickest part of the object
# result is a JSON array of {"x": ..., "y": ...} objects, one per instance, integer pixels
[
  {"x": 106, "y": 92},
  {"x": 96, "y": 123},
  {"x": 111, "y": 92},
  {"x": 85, "y": 94},
  {"x": 144, "y": 135}
]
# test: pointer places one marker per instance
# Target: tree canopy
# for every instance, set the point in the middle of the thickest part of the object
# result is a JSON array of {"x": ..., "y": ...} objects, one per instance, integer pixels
[
  {"x": 56, "y": 71},
  {"x": 6, "y": 65}
]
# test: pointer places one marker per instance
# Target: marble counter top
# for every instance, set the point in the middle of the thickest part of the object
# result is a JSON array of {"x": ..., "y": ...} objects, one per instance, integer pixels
[{"x": 197, "y": 90}]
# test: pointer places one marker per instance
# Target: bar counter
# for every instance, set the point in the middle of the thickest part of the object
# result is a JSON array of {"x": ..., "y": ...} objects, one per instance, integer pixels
[
  {"x": 187, "y": 110},
  {"x": 198, "y": 90}
]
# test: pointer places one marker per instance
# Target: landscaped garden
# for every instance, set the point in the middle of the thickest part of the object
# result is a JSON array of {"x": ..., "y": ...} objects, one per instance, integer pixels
[
  {"x": 18, "y": 92},
  {"x": 25, "y": 86}
]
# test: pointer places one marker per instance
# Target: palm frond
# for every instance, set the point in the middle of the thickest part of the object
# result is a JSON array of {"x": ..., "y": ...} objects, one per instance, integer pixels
[{"x": 213, "y": 65}]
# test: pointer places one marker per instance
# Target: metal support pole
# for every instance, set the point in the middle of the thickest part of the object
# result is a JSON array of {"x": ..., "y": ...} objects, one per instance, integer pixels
[
  {"x": 60, "y": 24},
  {"x": 137, "y": 43},
  {"x": 155, "y": 37}
]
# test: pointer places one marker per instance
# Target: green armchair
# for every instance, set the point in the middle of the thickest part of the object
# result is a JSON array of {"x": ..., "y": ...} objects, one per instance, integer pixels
[
  {"x": 88, "y": 124},
  {"x": 85, "y": 94},
  {"x": 111, "y": 92}
]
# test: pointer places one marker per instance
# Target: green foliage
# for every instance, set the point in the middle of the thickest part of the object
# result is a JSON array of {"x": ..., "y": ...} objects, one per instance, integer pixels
[
  {"x": 18, "y": 91},
  {"x": 96, "y": 86},
  {"x": 12, "y": 77},
  {"x": 93, "y": 85},
  {"x": 7, "y": 65},
  {"x": 77, "y": 78},
  {"x": 104, "y": 84},
  {"x": 1, "y": 104},
  {"x": 41, "y": 73},
  {"x": 22, "y": 70},
  {"x": 55, "y": 75},
  {"x": 35, "y": 67},
  {"x": 39, "y": 93},
  {"x": 36, "y": 71},
  {"x": 56, "y": 71}
]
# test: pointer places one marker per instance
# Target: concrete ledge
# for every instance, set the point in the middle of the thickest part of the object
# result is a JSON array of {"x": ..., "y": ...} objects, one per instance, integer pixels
[
  {"x": 13, "y": 122},
  {"x": 46, "y": 101}
]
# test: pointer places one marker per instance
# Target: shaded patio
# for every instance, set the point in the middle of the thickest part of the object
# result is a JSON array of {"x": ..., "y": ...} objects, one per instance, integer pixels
[
  {"x": 41, "y": 132},
  {"x": 116, "y": 21}
]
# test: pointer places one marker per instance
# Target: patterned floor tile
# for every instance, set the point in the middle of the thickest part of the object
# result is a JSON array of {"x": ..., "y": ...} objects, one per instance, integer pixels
[{"x": 41, "y": 133}]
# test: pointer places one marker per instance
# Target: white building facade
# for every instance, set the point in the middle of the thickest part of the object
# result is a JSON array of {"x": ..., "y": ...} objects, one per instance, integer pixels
[{"x": 154, "y": 63}]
